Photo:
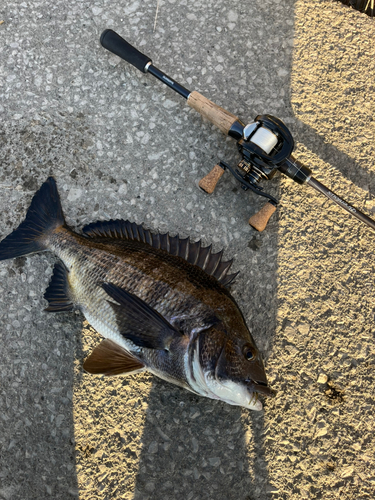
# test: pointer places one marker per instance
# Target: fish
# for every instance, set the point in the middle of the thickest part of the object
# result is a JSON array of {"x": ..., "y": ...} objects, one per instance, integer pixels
[{"x": 161, "y": 302}]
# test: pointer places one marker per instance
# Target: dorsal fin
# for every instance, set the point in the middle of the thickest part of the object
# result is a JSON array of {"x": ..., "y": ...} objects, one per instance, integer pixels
[{"x": 193, "y": 253}]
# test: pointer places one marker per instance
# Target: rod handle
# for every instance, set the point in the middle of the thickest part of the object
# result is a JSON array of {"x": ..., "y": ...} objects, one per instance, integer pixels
[
  {"x": 260, "y": 220},
  {"x": 209, "y": 181},
  {"x": 214, "y": 113},
  {"x": 113, "y": 42}
]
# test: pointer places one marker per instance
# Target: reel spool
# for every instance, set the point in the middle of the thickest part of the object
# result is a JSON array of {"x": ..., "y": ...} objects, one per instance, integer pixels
[{"x": 264, "y": 139}]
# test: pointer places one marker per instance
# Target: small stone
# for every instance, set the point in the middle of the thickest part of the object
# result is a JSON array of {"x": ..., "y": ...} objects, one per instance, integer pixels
[
  {"x": 74, "y": 194},
  {"x": 153, "y": 448},
  {"x": 290, "y": 333},
  {"x": 347, "y": 471},
  {"x": 150, "y": 486},
  {"x": 271, "y": 489},
  {"x": 195, "y": 415},
  {"x": 59, "y": 420},
  {"x": 322, "y": 429},
  {"x": 321, "y": 432},
  {"x": 322, "y": 379},
  {"x": 282, "y": 72},
  {"x": 311, "y": 413},
  {"x": 304, "y": 328},
  {"x": 195, "y": 444},
  {"x": 123, "y": 189}
]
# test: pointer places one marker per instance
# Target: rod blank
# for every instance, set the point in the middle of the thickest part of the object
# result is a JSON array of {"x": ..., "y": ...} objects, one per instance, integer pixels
[{"x": 334, "y": 197}]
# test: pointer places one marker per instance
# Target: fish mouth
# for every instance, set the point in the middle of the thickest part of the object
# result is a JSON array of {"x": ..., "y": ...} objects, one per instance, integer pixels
[{"x": 262, "y": 388}]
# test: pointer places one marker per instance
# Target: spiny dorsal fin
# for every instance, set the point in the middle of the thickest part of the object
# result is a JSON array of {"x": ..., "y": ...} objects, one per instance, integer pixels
[
  {"x": 181, "y": 247},
  {"x": 109, "y": 358},
  {"x": 58, "y": 291}
]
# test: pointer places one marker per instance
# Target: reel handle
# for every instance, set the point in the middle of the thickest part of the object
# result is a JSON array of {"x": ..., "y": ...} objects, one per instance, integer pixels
[{"x": 113, "y": 42}]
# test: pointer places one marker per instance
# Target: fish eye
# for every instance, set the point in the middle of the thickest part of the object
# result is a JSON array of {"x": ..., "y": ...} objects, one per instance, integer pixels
[{"x": 249, "y": 352}]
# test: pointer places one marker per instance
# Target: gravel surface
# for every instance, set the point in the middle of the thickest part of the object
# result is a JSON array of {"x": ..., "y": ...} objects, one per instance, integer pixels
[{"x": 121, "y": 145}]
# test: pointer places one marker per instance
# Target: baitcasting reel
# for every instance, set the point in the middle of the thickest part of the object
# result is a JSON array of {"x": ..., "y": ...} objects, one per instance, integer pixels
[{"x": 266, "y": 145}]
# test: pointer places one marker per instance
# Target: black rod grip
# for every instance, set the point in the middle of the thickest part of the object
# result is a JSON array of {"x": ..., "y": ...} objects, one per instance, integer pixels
[{"x": 116, "y": 44}]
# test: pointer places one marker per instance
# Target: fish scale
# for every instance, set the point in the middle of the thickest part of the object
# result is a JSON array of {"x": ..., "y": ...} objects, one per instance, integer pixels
[{"x": 160, "y": 302}]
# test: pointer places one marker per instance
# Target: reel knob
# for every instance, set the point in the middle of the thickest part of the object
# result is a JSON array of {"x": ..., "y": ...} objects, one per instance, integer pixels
[
  {"x": 260, "y": 220},
  {"x": 209, "y": 181}
]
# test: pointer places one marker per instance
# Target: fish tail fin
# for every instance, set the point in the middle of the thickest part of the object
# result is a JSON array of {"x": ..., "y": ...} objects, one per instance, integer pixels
[{"x": 43, "y": 216}]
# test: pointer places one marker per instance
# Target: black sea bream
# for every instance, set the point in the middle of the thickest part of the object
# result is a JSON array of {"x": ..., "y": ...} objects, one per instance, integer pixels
[{"x": 161, "y": 302}]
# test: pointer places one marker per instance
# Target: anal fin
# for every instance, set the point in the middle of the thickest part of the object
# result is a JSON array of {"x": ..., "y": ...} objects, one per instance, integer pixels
[
  {"x": 58, "y": 291},
  {"x": 109, "y": 358}
]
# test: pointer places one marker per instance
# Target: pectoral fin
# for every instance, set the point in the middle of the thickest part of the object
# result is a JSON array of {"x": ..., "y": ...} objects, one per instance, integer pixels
[
  {"x": 108, "y": 358},
  {"x": 139, "y": 322}
]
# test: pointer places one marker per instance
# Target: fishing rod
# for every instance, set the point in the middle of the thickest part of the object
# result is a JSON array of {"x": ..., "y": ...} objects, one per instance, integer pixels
[{"x": 266, "y": 144}]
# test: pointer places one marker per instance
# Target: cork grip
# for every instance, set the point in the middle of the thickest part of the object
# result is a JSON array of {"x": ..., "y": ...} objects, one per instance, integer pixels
[
  {"x": 215, "y": 114},
  {"x": 208, "y": 183},
  {"x": 260, "y": 220}
]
